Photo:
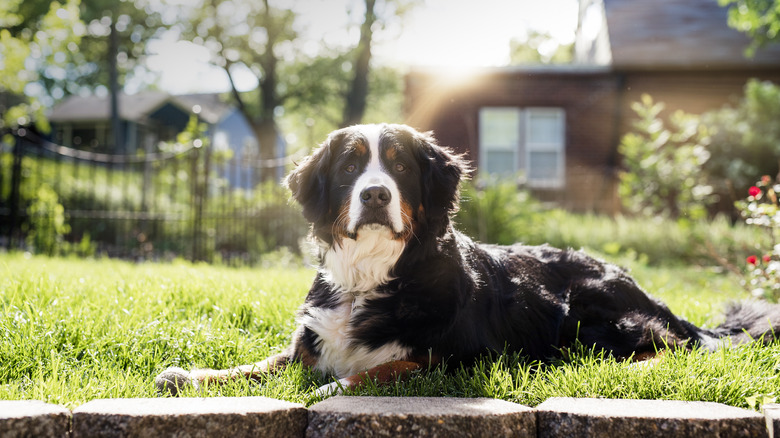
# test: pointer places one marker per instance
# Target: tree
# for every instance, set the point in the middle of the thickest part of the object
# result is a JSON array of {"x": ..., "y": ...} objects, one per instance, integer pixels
[
  {"x": 377, "y": 15},
  {"x": 253, "y": 35},
  {"x": 539, "y": 48},
  {"x": 110, "y": 43},
  {"x": 33, "y": 39},
  {"x": 259, "y": 37},
  {"x": 355, "y": 102},
  {"x": 760, "y": 19},
  {"x": 114, "y": 44},
  {"x": 85, "y": 63}
]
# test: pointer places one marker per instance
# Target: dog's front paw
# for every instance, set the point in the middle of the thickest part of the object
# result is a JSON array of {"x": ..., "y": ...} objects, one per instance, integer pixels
[
  {"x": 335, "y": 388},
  {"x": 173, "y": 380}
]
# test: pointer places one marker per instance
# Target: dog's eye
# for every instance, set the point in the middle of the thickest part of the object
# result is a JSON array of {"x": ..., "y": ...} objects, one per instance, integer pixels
[
  {"x": 399, "y": 167},
  {"x": 351, "y": 168}
]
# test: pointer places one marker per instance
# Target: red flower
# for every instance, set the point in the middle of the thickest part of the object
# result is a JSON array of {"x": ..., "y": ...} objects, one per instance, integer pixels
[
  {"x": 754, "y": 191},
  {"x": 767, "y": 258},
  {"x": 753, "y": 260},
  {"x": 765, "y": 179}
]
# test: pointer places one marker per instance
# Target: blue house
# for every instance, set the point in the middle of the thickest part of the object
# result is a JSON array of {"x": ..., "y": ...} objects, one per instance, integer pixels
[{"x": 149, "y": 118}]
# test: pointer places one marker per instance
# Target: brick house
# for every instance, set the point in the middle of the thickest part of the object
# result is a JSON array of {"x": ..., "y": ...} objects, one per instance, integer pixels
[{"x": 559, "y": 126}]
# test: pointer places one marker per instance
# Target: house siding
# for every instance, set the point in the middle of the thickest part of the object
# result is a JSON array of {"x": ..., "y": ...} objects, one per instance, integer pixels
[{"x": 692, "y": 91}]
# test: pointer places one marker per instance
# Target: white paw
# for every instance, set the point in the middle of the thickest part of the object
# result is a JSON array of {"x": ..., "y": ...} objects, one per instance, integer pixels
[{"x": 335, "y": 388}]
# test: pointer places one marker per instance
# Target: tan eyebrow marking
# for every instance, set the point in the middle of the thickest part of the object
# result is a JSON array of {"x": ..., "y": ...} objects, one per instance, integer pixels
[
  {"x": 391, "y": 153},
  {"x": 360, "y": 148}
]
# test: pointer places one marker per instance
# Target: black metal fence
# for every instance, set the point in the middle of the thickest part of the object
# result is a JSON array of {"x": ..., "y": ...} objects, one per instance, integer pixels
[{"x": 185, "y": 202}]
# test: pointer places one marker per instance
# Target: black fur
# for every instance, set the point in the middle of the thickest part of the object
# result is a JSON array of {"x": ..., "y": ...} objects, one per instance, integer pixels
[{"x": 452, "y": 298}]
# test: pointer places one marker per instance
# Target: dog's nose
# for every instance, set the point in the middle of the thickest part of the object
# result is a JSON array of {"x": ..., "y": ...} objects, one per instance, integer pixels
[{"x": 375, "y": 196}]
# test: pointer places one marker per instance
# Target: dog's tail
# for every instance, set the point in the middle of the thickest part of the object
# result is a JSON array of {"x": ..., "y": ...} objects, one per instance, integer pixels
[{"x": 748, "y": 322}]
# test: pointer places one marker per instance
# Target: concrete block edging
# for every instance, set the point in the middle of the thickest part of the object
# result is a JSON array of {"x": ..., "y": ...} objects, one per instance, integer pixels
[{"x": 237, "y": 417}]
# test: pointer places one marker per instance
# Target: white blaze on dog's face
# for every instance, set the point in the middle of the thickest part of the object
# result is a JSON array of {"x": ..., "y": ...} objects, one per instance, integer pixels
[{"x": 375, "y": 200}]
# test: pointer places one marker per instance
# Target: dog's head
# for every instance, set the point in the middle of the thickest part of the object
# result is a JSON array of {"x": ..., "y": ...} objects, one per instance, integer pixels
[{"x": 378, "y": 176}]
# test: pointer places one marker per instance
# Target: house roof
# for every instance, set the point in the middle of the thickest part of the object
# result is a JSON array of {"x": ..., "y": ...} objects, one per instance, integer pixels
[
  {"x": 136, "y": 107},
  {"x": 678, "y": 33}
]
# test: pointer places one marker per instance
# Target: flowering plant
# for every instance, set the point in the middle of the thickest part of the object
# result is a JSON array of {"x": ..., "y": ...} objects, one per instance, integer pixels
[{"x": 761, "y": 209}]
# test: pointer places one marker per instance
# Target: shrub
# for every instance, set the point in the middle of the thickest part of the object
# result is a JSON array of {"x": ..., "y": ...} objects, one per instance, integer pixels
[
  {"x": 497, "y": 211},
  {"x": 663, "y": 165},
  {"x": 47, "y": 222},
  {"x": 501, "y": 213},
  {"x": 761, "y": 209},
  {"x": 745, "y": 140}
]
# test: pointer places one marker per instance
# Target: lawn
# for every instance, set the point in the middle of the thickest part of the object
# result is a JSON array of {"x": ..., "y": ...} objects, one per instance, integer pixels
[{"x": 75, "y": 330}]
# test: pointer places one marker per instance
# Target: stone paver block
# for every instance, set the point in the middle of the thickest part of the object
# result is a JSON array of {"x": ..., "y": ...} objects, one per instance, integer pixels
[
  {"x": 580, "y": 417},
  {"x": 772, "y": 413},
  {"x": 419, "y": 417},
  {"x": 232, "y": 417},
  {"x": 33, "y": 419}
]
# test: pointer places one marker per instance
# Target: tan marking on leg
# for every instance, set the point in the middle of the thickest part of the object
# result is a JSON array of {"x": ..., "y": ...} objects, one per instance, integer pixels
[
  {"x": 647, "y": 359},
  {"x": 385, "y": 373}
]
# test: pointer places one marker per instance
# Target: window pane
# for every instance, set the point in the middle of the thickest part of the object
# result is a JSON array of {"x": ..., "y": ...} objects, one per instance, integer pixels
[
  {"x": 545, "y": 138},
  {"x": 543, "y": 166},
  {"x": 544, "y": 127},
  {"x": 499, "y": 139},
  {"x": 500, "y": 162},
  {"x": 499, "y": 128}
]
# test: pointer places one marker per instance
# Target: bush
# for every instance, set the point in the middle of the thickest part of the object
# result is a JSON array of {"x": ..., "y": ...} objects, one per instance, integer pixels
[
  {"x": 501, "y": 213},
  {"x": 47, "y": 222},
  {"x": 745, "y": 140},
  {"x": 254, "y": 223},
  {"x": 663, "y": 165},
  {"x": 656, "y": 241},
  {"x": 761, "y": 209},
  {"x": 680, "y": 170},
  {"x": 132, "y": 211},
  {"x": 497, "y": 211}
]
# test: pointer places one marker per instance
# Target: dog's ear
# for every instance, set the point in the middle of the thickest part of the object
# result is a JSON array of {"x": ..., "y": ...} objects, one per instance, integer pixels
[
  {"x": 441, "y": 173},
  {"x": 309, "y": 183}
]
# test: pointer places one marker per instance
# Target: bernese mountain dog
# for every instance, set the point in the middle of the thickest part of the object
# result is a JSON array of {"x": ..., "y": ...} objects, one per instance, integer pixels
[{"x": 399, "y": 289}]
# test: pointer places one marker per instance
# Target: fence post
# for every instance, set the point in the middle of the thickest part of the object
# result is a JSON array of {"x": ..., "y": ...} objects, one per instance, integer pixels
[
  {"x": 14, "y": 233},
  {"x": 197, "y": 206}
]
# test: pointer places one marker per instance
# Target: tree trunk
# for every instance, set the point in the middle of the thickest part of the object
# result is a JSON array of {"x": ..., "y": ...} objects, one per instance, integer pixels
[
  {"x": 267, "y": 134},
  {"x": 264, "y": 126},
  {"x": 355, "y": 105}
]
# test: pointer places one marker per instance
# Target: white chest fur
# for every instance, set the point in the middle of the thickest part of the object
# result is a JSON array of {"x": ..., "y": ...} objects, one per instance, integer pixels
[
  {"x": 339, "y": 354},
  {"x": 362, "y": 264}
]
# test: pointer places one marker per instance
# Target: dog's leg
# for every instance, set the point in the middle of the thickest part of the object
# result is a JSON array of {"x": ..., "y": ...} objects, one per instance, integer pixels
[
  {"x": 646, "y": 360},
  {"x": 385, "y": 373},
  {"x": 173, "y": 379}
]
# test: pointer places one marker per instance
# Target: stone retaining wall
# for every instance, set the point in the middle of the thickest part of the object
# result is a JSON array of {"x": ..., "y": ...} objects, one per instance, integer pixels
[{"x": 238, "y": 417}]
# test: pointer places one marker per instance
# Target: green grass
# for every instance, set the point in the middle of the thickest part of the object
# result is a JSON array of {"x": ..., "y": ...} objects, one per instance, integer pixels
[{"x": 75, "y": 330}]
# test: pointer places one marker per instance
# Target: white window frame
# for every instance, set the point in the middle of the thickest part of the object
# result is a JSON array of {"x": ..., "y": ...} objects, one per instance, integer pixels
[
  {"x": 558, "y": 147},
  {"x": 514, "y": 149},
  {"x": 521, "y": 157}
]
